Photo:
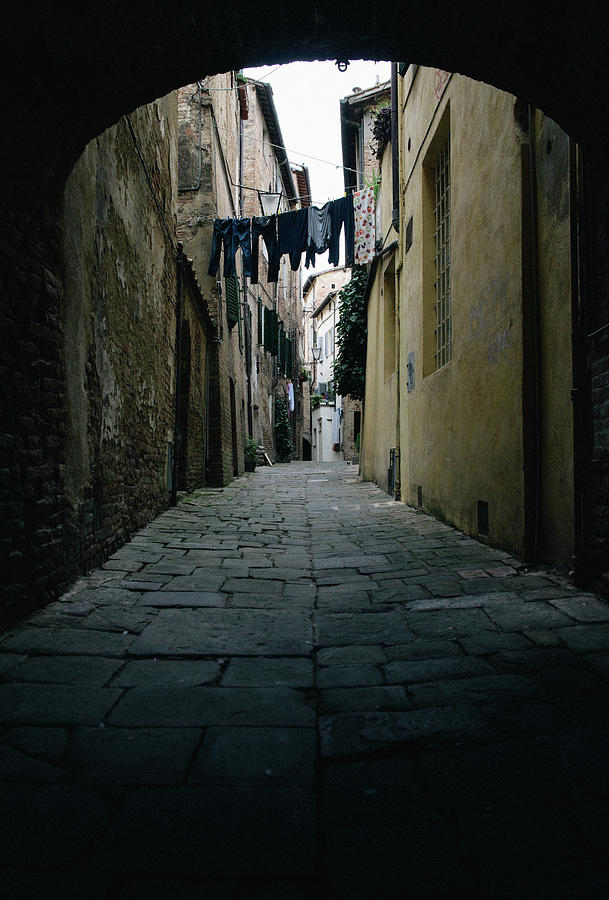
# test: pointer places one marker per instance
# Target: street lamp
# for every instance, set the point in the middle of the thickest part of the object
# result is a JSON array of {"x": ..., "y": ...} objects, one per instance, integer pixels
[
  {"x": 269, "y": 202},
  {"x": 316, "y": 354}
]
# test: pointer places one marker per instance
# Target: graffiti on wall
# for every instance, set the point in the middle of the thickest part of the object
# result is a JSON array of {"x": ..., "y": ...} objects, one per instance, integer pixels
[
  {"x": 440, "y": 79},
  {"x": 489, "y": 321}
]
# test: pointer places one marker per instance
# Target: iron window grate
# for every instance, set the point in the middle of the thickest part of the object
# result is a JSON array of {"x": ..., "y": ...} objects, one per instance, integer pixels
[{"x": 443, "y": 329}]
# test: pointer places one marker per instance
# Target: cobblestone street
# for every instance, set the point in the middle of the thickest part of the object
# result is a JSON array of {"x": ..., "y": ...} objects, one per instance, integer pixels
[{"x": 296, "y": 687}]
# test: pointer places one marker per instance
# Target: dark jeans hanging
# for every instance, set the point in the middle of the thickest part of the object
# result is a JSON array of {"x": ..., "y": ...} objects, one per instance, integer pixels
[
  {"x": 231, "y": 234},
  {"x": 293, "y": 234},
  {"x": 265, "y": 227},
  {"x": 341, "y": 213}
]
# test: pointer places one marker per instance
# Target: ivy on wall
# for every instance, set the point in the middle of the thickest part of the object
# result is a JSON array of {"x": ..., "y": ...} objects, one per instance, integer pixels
[
  {"x": 351, "y": 336},
  {"x": 283, "y": 430}
]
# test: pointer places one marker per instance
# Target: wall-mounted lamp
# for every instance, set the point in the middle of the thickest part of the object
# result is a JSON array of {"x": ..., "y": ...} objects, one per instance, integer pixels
[
  {"x": 316, "y": 351},
  {"x": 269, "y": 202}
]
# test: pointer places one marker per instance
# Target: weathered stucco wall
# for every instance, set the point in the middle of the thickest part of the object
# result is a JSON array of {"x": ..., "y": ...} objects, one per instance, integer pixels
[
  {"x": 463, "y": 439},
  {"x": 554, "y": 212},
  {"x": 119, "y": 276},
  {"x": 468, "y": 429},
  {"x": 380, "y": 405}
]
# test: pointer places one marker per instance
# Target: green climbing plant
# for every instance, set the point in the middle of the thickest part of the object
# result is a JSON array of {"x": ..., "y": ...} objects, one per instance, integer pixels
[
  {"x": 351, "y": 336},
  {"x": 283, "y": 430}
]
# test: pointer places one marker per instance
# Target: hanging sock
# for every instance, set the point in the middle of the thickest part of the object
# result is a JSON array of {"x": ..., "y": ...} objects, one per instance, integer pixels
[
  {"x": 229, "y": 235},
  {"x": 265, "y": 227},
  {"x": 365, "y": 226}
]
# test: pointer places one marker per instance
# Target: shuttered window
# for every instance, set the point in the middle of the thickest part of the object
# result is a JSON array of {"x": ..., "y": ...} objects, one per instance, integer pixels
[
  {"x": 281, "y": 348},
  {"x": 270, "y": 331},
  {"x": 259, "y": 321},
  {"x": 232, "y": 299}
]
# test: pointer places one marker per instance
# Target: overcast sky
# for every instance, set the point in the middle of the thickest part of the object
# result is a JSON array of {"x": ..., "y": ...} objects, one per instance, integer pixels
[{"x": 307, "y": 97}]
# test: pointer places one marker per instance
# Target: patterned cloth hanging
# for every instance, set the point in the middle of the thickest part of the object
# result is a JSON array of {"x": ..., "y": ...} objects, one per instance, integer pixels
[{"x": 365, "y": 225}]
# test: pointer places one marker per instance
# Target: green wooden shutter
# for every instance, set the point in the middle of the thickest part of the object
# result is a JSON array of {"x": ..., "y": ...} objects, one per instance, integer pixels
[
  {"x": 259, "y": 321},
  {"x": 281, "y": 347},
  {"x": 289, "y": 354},
  {"x": 232, "y": 299}
]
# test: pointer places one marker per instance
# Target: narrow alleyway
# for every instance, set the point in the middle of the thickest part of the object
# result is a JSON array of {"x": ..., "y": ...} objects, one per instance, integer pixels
[{"x": 297, "y": 688}]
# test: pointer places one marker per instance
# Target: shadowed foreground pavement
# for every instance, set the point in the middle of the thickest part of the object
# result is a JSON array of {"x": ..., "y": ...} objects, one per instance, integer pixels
[{"x": 298, "y": 688}]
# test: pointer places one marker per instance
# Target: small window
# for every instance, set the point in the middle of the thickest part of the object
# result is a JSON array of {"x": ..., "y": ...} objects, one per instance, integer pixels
[{"x": 437, "y": 313}]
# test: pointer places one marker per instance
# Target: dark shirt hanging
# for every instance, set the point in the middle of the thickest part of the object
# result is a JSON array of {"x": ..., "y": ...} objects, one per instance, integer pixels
[
  {"x": 319, "y": 224},
  {"x": 293, "y": 234},
  {"x": 265, "y": 227}
]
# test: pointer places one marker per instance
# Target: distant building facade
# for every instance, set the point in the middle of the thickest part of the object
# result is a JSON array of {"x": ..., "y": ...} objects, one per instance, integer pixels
[{"x": 233, "y": 164}]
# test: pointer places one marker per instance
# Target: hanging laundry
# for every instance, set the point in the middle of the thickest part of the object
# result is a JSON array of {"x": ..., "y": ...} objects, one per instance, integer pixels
[
  {"x": 230, "y": 234},
  {"x": 319, "y": 231},
  {"x": 365, "y": 229},
  {"x": 291, "y": 397},
  {"x": 293, "y": 234},
  {"x": 336, "y": 428},
  {"x": 341, "y": 213},
  {"x": 265, "y": 227}
]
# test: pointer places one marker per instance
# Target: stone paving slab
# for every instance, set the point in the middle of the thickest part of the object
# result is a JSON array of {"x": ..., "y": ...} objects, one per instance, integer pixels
[
  {"x": 297, "y": 687},
  {"x": 78, "y": 670},
  {"x": 66, "y": 641},
  {"x": 55, "y": 704},
  {"x": 132, "y": 756},
  {"x": 167, "y": 599},
  {"x": 268, "y": 757},
  {"x": 192, "y": 707},
  {"x": 278, "y": 672},
  {"x": 244, "y": 632},
  {"x": 156, "y": 672}
]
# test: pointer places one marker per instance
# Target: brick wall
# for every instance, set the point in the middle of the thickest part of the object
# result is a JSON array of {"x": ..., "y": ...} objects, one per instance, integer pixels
[
  {"x": 33, "y": 559},
  {"x": 87, "y": 362}
]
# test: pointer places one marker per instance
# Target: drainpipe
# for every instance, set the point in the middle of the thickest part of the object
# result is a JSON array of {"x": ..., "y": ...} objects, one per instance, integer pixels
[
  {"x": 177, "y": 437},
  {"x": 532, "y": 358},
  {"x": 395, "y": 157},
  {"x": 397, "y": 483},
  {"x": 580, "y": 390}
]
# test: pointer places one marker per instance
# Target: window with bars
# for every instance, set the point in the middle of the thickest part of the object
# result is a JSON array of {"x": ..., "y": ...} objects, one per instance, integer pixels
[
  {"x": 437, "y": 312},
  {"x": 443, "y": 329}
]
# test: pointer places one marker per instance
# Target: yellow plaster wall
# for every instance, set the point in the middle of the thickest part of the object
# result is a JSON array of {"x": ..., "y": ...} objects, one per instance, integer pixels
[
  {"x": 553, "y": 214},
  {"x": 380, "y": 404}
]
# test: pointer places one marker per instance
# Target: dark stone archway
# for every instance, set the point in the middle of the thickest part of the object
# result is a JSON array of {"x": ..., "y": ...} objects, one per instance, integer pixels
[{"x": 71, "y": 70}]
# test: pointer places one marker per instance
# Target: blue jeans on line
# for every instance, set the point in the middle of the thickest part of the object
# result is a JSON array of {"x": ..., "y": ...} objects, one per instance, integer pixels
[{"x": 231, "y": 234}]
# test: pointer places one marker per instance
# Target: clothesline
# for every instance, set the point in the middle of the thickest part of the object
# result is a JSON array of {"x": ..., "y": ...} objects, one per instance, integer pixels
[
  {"x": 311, "y": 230},
  {"x": 288, "y": 150}
]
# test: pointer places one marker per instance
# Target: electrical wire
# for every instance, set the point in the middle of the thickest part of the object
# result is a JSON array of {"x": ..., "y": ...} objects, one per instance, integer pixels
[{"x": 297, "y": 152}]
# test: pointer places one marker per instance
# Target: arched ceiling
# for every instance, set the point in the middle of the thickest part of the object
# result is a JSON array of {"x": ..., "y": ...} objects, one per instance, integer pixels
[{"x": 71, "y": 69}]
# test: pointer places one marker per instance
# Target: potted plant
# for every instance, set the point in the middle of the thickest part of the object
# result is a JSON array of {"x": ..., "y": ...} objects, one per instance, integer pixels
[
  {"x": 315, "y": 400},
  {"x": 251, "y": 449}
]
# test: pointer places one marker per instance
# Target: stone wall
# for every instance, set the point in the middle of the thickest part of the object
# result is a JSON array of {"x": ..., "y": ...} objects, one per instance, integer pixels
[
  {"x": 120, "y": 286},
  {"x": 88, "y": 361},
  {"x": 33, "y": 557}
]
